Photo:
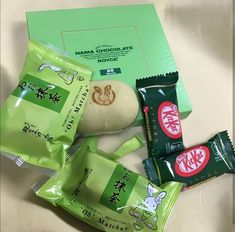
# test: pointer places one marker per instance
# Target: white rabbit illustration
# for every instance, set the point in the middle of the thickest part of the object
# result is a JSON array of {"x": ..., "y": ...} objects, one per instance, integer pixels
[
  {"x": 67, "y": 76},
  {"x": 50, "y": 66},
  {"x": 152, "y": 202},
  {"x": 146, "y": 212}
]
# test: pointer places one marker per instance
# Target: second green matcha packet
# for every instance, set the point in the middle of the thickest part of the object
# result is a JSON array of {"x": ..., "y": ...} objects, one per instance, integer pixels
[{"x": 108, "y": 196}]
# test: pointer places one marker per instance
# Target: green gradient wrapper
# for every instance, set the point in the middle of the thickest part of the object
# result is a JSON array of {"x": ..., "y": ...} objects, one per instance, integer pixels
[
  {"x": 40, "y": 118},
  {"x": 108, "y": 196}
]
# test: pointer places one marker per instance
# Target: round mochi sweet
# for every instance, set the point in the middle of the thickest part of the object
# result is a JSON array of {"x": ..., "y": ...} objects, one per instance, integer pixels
[{"x": 111, "y": 107}]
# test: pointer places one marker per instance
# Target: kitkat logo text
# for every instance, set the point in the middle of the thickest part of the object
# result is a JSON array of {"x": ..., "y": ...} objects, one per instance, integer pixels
[
  {"x": 192, "y": 161},
  {"x": 168, "y": 117}
]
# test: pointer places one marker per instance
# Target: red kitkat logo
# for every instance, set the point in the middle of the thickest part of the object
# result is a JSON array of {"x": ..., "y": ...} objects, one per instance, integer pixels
[
  {"x": 192, "y": 161},
  {"x": 168, "y": 117}
]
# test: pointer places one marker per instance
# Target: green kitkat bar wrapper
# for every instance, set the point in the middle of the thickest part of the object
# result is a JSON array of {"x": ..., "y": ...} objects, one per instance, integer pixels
[
  {"x": 194, "y": 165},
  {"x": 159, "y": 106}
]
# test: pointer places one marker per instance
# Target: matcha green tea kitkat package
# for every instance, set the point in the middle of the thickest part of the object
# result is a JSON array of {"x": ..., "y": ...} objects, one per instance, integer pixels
[
  {"x": 101, "y": 192},
  {"x": 40, "y": 118},
  {"x": 159, "y": 106},
  {"x": 194, "y": 165}
]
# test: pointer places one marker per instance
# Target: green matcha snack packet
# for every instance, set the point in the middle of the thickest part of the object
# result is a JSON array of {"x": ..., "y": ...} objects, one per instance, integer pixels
[
  {"x": 40, "y": 118},
  {"x": 103, "y": 193}
]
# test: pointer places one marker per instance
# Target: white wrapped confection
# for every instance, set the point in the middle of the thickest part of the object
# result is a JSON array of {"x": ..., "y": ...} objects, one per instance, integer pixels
[{"x": 112, "y": 106}]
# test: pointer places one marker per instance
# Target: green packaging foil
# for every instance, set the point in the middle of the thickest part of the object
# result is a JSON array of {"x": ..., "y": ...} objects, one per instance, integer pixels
[
  {"x": 194, "y": 165},
  {"x": 160, "y": 110},
  {"x": 103, "y": 193},
  {"x": 40, "y": 118}
]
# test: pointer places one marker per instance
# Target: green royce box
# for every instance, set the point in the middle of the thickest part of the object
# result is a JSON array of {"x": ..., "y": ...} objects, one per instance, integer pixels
[{"x": 119, "y": 43}]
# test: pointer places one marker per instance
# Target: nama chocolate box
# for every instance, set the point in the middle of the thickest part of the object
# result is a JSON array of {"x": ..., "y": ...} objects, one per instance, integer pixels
[{"x": 120, "y": 43}]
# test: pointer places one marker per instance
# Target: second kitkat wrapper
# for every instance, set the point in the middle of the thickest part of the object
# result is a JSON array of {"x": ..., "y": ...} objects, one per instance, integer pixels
[
  {"x": 159, "y": 106},
  {"x": 103, "y": 193},
  {"x": 194, "y": 165},
  {"x": 39, "y": 119}
]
